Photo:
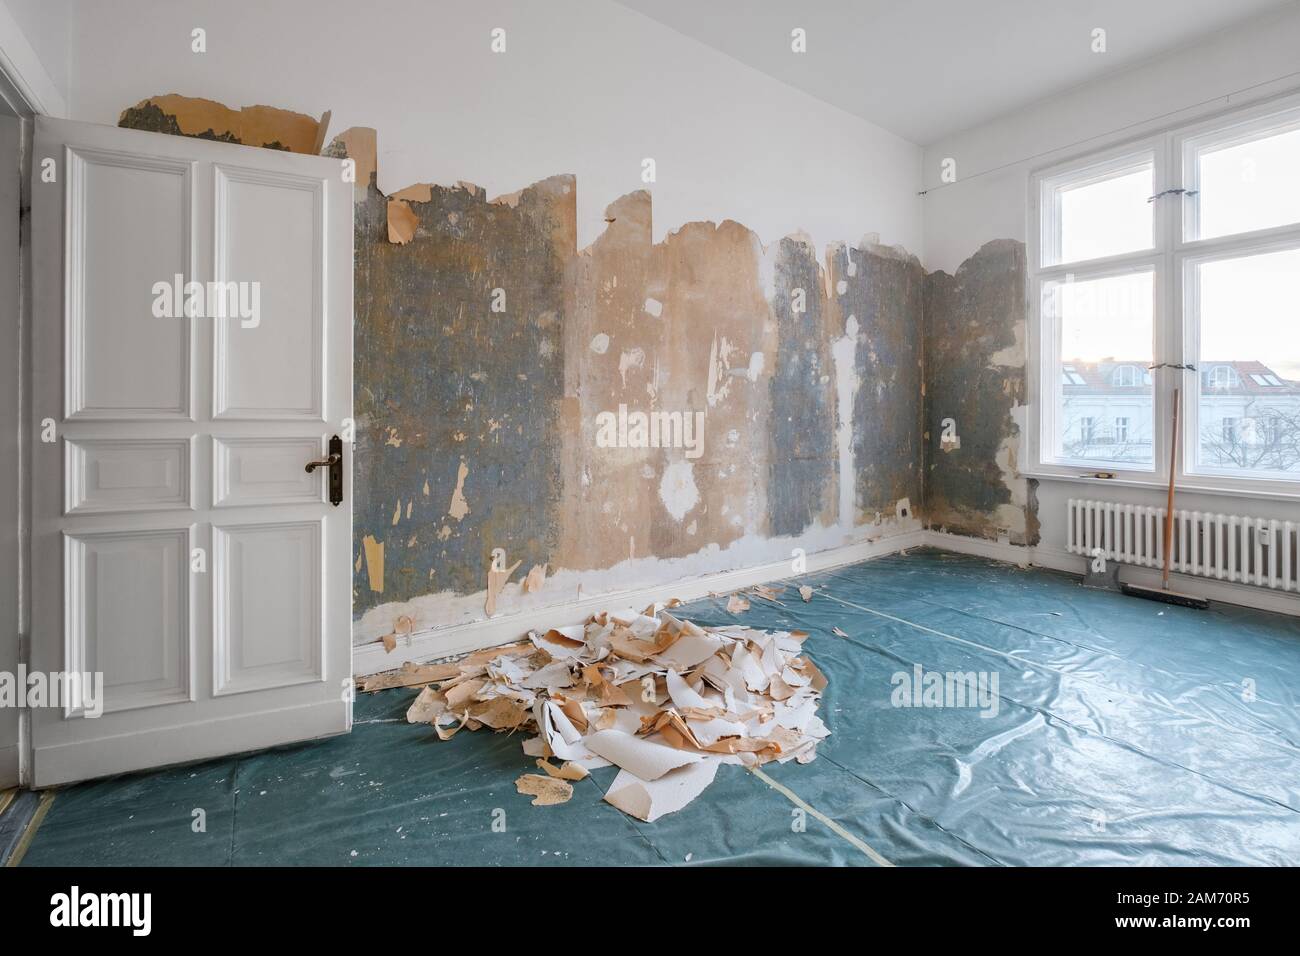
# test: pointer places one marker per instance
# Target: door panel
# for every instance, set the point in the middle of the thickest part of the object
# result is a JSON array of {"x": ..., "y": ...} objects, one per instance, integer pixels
[
  {"x": 180, "y": 548},
  {"x": 122, "y": 362},
  {"x": 128, "y": 615},
  {"x": 270, "y": 228},
  {"x": 143, "y": 474},
  {"x": 267, "y": 624},
  {"x": 265, "y": 471}
]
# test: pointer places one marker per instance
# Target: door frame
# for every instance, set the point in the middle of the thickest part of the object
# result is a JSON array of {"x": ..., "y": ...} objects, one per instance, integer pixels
[
  {"x": 25, "y": 92},
  {"x": 13, "y": 455}
]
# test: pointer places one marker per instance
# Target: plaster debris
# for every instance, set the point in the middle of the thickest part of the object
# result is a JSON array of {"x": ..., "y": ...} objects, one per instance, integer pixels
[
  {"x": 410, "y": 675},
  {"x": 665, "y": 700},
  {"x": 496, "y": 581},
  {"x": 806, "y": 593},
  {"x": 568, "y": 771},
  {"x": 402, "y": 627},
  {"x": 649, "y": 801},
  {"x": 737, "y": 604},
  {"x": 546, "y": 791},
  {"x": 534, "y": 579}
]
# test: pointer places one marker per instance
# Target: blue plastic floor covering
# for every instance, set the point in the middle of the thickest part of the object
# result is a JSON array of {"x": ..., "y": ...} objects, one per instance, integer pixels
[{"x": 1123, "y": 731}]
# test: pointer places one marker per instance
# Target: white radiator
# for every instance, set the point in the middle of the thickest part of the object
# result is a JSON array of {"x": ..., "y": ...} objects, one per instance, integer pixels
[{"x": 1258, "y": 551}]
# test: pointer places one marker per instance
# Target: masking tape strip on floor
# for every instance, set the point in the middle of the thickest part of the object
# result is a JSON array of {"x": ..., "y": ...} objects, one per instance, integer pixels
[
  {"x": 813, "y": 811},
  {"x": 6, "y": 798},
  {"x": 33, "y": 825}
]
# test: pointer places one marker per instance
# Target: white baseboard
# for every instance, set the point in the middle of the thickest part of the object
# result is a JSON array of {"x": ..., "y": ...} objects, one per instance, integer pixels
[
  {"x": 455, "y": 640},
  {"x": 980, "y": 547},
  {"x": 1224, "y": 592},
  {"x": 458, "y": 639}
]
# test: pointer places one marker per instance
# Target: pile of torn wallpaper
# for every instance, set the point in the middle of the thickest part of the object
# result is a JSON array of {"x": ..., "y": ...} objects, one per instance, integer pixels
[{"x": 663, "y": 699}]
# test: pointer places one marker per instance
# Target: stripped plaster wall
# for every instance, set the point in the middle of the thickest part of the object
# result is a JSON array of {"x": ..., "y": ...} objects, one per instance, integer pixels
[
  {"x": 479, "y": 430},
  {"x": 489, "y": 349},
  {"x": 457, "y": 406},
  {"x": 975, "y": 391}
]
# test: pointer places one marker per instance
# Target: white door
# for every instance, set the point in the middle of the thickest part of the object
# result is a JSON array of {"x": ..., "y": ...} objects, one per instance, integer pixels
[{"x": 180, "y": 547}]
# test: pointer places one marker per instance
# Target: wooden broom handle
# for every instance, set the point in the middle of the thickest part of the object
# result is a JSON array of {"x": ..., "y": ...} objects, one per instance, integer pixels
[{"x": 1169, "y": 508}]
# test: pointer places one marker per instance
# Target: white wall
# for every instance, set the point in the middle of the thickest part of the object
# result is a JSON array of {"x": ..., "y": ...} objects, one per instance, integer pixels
[
  {"x": 35, "y": 41},
  {"x": 994, "y": 161},
  {"x": 585, "y": 86},
  {"x": 989, "y": 200}
]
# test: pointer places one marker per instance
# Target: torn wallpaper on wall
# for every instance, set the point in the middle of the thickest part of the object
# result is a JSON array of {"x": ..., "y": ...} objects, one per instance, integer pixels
[{"x": 537, "y": 423}]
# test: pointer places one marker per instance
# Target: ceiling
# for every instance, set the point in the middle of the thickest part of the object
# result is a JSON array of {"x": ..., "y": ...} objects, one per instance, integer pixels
[{"x": 924, "y": 69}]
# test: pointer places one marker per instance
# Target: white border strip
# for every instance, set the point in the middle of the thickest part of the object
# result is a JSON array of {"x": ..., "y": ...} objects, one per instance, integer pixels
[{"x": 459, "y": 639}]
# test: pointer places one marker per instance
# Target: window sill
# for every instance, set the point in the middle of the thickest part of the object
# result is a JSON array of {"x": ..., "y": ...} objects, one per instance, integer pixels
[{"x": 1185, "y": 486}]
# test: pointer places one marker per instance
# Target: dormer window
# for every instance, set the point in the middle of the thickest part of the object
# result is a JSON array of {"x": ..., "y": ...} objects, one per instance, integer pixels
[
  {"x": 1222, "y": 376},
  {"x": 1126, "y": 376}
]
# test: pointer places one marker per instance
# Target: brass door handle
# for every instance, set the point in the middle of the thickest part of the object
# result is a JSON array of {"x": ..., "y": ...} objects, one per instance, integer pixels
[
  {"x": 334, "y": 462},
  {"x": 325, "y": 462}
]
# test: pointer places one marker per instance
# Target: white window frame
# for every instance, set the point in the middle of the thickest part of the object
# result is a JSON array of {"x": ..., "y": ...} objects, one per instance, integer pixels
[{"x": 1173, "y": 260}]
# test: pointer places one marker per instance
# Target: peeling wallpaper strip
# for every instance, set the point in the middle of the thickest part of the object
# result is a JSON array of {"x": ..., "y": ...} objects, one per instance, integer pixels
[{"x": 264, "y": 126}]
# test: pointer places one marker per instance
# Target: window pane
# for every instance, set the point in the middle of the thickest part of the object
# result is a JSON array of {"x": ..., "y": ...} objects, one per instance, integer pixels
[
  {"x": 1249, "y": 365},
  {"x": 1250, "y": 185},
  {"x": 1104, "y": 399},
  {"x": 1107, "y": 217}
]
